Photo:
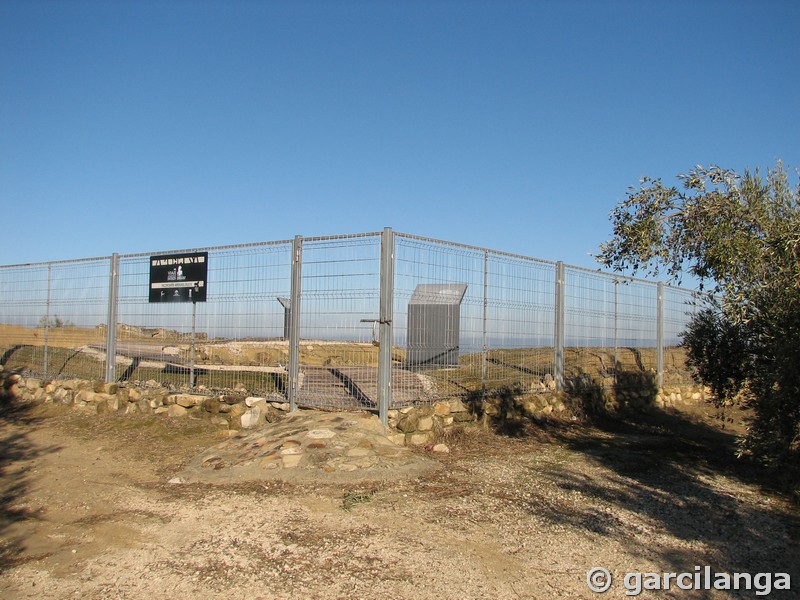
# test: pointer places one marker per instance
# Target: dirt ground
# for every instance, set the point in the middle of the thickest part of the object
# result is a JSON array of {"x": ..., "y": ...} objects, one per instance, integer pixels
[{"x": 87, "y": 511}]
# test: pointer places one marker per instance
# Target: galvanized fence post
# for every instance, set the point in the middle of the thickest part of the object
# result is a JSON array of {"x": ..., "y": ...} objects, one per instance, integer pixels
[
  {"x": 111, "y": 328},
  {"x": 47, "y": 322},
  {"x": 485, "y": 352},
  {"x": 660, "y": 335},
  {"x": 294, "y": 323},
  {"x": 559, "y": 326},
  {"x": 385, "y": 316}
]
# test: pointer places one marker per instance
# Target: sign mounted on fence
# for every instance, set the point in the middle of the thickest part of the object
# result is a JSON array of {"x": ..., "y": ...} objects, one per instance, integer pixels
[{"x": 179, "y": 277}]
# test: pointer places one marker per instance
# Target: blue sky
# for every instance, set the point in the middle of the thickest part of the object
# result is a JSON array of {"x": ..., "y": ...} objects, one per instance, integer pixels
[{"x": 150, "y": 126}]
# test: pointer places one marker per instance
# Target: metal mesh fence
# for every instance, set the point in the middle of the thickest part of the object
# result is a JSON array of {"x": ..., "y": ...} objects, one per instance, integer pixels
[
  {"x": 53, "y": 317},
  {"x": 339, "y": 302},
  {"x": 679, "y": 307},
  {"x": 465, "y": 320},
  {"x": 499, "y": 333},
  {"x": 238, "y": 332},
  {"x": 611, "y": 327}
]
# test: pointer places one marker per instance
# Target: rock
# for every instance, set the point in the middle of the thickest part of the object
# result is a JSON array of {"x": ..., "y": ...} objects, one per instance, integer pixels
[
  {"x": 408, "y": 423},
  {"x": 186, "y": 400},
  {"x": 106, "y": 388},
  {"x": 321, "y": 434},
  {"x": 549, "y": 382},
  {"x": 290, "y": 461},
  {"x": 372, "y": 423},
  {"x": 211, "y": 405},
  {"x": 398, "y": 439},
  {"x": 283, "y": 406},
  {"x": 457, "y": 406},
  {"x": 62, "y": 396},
  {"x": 233, "y": 399},
  {"x": 211, "y": 460},
  {"x": 254, "y": 417},
  {"x": 84, "y": 395},
  {"x": 425, "y": 424},
  {"x": 529, "y": 407},
  {"x": 358, "y": 451},
  {"x": 71, "y": 384},
  {"x": 251, "y": 401},
  {"x": 273, "y": 415},
  {"x": 176, "y": 410},
  {"x": 441, "y": 409},
  {"x": 418, "y": 439},
  {"x": 441, "y": 448}
]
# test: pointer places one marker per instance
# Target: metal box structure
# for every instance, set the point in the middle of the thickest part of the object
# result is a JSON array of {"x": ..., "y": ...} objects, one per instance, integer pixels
[
  {"x": 434, "y": 314},
  {"x": 287, "y": 316}
]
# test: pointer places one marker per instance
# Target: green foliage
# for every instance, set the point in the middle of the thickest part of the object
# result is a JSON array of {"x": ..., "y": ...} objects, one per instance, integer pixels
[
  {"x": 741, "y": 235},
  {"x": 717, "y": 352}
]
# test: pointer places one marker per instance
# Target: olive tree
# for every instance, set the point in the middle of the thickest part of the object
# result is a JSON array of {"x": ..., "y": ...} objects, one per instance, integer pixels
[{"x": 740, "y": 236}]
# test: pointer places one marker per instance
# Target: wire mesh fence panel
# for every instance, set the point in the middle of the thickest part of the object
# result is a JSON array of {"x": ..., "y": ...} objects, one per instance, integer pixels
[
  {"x": 235, "y": 339},
  {"x": 339, "y": 300},
  {"x": 463, "y": 321},
  {"x": 679, "y": 307},
  {"x": 611, "y": 328},
  {"x": 468, "y": 319},
  {"x": 520, "y": 322},
  {"x": 53, "y": 318}
]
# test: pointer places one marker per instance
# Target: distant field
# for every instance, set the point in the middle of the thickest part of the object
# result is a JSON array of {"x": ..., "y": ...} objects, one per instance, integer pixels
[{"x": 258, "y": 365}]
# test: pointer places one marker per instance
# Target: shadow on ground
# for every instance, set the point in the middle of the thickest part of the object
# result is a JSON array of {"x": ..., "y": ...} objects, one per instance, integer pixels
[
  {"x": 679, "y": 474},
  {"x": 16, "y": 449}
]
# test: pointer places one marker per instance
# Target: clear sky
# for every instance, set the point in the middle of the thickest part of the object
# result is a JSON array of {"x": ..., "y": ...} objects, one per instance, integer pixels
[{"x": 150, "y": 126}]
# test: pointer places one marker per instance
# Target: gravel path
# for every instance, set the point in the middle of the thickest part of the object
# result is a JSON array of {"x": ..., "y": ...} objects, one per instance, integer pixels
[{"x": 88, "y": 512}]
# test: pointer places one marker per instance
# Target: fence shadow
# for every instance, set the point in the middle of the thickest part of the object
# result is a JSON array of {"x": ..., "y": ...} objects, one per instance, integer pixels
[
  {"x": 499, "y": 408},
  {"x": 6, "y": 356},
  {"x": 17, "y": 419},
  {"x": 664, "y": 466},
  {"x": 128, "y": 372}
]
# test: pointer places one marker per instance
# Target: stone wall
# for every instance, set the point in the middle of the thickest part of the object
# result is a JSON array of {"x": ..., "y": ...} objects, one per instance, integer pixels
[
  {"x": 411, "y": 426},
  {"x": 421, "y": 425}
]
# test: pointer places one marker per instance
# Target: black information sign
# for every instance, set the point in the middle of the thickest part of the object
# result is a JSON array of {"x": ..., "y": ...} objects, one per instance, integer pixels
[{"x": 179, "y": 277}]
